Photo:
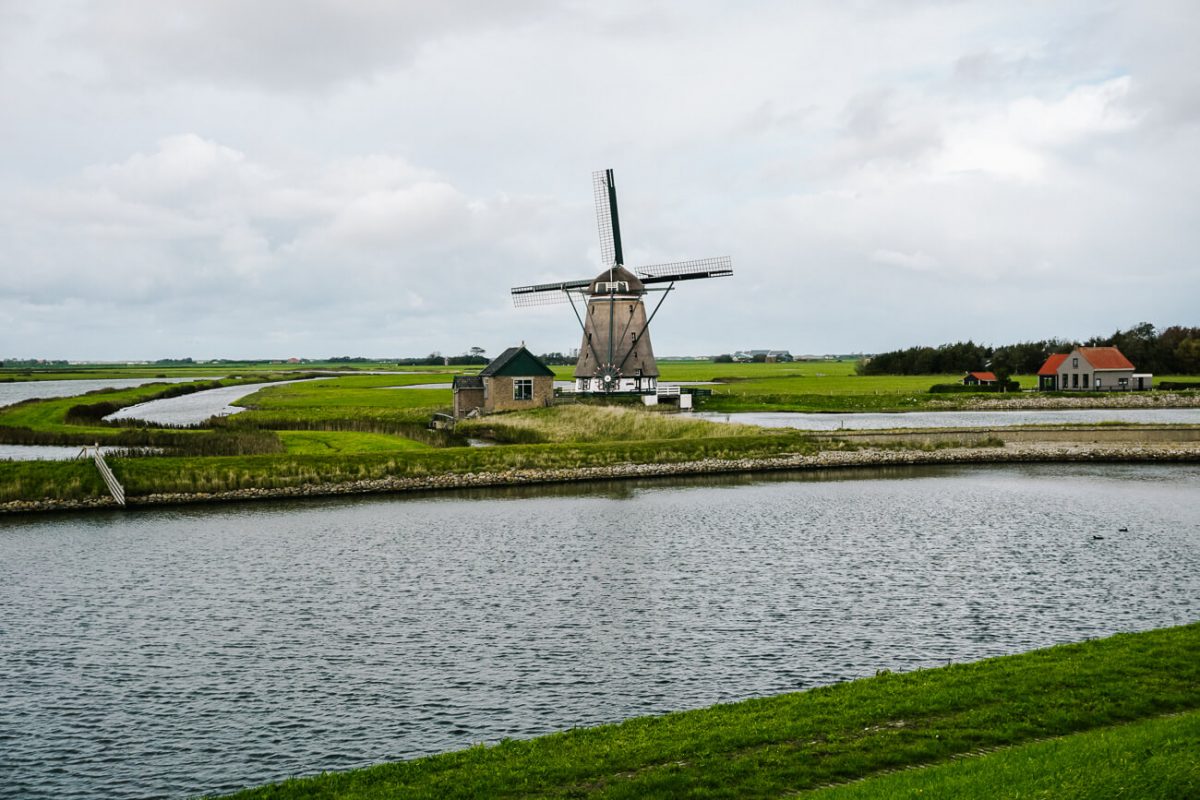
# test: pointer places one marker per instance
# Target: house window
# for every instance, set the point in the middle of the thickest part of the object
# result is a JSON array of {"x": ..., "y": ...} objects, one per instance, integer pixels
[
  {"x": 522, "y": 388},
  {"x": 1123, "y": 383},
  {"x": 1074, "y": 380},
  {"x": 1085, "y": 380},
  {"x": 1097, "y": 381},
  {"x": 1074, "y": 363}
]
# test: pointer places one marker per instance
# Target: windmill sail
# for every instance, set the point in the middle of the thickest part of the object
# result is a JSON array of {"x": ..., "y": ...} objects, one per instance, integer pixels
[
  {"x": 607, "y": 221},
  {"x": 543, "y": 294},
  {"x": 720, "y": 267}
]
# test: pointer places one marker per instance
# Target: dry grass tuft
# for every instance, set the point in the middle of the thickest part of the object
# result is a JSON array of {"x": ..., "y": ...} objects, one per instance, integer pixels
[{"x": 588, "y": 423}]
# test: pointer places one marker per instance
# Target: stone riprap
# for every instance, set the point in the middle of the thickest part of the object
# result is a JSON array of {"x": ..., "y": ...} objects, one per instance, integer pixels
[
  {"x": 827, "y": 459},
  {"x": 1036, "y": 401}
]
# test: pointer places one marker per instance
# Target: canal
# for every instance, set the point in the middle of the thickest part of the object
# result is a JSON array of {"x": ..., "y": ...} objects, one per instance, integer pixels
[{"x": 174, "y": 652}]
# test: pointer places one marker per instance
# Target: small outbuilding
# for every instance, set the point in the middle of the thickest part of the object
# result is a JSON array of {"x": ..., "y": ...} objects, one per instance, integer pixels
[
  {"x": 515, "y": 379},
  {"x": 979, "y": 379},
  {"x": 468, "y": 395}
]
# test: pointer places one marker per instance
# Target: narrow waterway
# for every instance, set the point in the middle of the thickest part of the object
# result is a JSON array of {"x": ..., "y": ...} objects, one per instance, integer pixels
[
  {"x": 192, "y": 409},
  {"x": 39, "y": 452},
  {"x": 173, "y": 652}
]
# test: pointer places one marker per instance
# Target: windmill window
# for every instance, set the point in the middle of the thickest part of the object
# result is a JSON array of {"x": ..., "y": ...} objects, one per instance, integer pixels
[{"x": 522, "y": 388}]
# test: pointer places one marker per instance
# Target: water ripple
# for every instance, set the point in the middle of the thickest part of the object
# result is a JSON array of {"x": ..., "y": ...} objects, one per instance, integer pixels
[{"x": 172, "y": 653}]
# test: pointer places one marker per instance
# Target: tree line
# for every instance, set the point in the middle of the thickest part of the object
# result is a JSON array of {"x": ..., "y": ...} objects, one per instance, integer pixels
[{"x": 1171, "y": 351}]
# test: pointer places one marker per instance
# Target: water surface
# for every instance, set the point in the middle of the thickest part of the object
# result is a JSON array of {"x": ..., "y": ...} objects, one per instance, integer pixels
[
  {"x": 39, "y": 452},
  {"x": 168, "y": 653},
  {"x": 192, "y": 409},
  {"x": 17, "y": 391}
]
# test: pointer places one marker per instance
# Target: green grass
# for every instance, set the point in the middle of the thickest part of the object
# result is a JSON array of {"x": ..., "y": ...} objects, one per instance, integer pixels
[
  {"x": 141, "y": 476},
  {"x": 365, "y": 391},
  {"x": 60, "y": 480},
  {"x": 367, "y": 401},
  {"x": 778, "y": 746},
  {"x": 149, "y": 371},
  {"x": 354, "y": 426},
  {"x": 1154, "y": 759},
  {"x": 337, "y": 442}
]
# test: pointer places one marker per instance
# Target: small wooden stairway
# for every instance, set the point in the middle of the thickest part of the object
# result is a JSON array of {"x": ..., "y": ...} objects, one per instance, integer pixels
[{"x": 114, "y": 486}]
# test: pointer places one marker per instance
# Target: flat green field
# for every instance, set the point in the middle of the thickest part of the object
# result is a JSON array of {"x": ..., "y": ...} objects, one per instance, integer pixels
[
  {"x": 349, "y": 442},
  {"x": 1117, "y": 717},
  {"x": 332, "y": 429},
  {"x": 151, "y": 371}
]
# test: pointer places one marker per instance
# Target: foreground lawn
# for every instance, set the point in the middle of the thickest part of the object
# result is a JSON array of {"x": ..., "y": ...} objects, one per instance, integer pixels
[
  {"x": 778, "y": 746},
  {"x": 1154, "y": 759}
]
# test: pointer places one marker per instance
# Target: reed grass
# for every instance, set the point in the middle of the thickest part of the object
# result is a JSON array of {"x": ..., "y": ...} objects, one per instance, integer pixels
[{"x": 593, "y": 423}]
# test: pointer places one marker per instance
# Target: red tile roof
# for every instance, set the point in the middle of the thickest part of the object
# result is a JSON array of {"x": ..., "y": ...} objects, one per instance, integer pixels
[
  {"x": 1105, "y": 358},
  {"x": 984, "y": 376},
  {"x": 1052, "y": 364}
]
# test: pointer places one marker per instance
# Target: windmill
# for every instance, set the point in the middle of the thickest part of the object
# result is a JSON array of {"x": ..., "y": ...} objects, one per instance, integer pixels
[{"x": 616, "y": 355}]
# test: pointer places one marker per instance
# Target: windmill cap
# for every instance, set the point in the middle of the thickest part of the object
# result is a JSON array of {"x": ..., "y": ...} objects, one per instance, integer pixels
[{"x": 626, "y": 282}]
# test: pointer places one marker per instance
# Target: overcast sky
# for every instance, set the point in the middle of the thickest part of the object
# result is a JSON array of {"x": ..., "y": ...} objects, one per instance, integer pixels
[{"x": 224, "y": 178}]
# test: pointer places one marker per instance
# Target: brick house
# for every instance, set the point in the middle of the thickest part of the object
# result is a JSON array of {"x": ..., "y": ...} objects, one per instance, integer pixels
[
  {"x": 1101, "y": 369},
  {"x": 516, "y": 379}
]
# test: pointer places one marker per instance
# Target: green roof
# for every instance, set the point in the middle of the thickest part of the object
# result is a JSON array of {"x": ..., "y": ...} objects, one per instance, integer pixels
[{"x": 516, "y": 362}]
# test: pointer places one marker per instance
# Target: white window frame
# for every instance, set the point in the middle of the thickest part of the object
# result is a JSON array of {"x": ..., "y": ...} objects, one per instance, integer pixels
[{"x": 522, "y": 383}]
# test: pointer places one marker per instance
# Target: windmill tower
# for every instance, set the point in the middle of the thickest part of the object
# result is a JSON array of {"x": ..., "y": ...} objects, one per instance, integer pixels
[{"x": 616, "y": 355}]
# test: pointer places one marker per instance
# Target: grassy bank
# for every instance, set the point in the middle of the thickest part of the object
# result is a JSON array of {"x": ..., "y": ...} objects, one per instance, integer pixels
[
  {"x": 63, "y": 480},
  {"x": 1106, "y": 698}
]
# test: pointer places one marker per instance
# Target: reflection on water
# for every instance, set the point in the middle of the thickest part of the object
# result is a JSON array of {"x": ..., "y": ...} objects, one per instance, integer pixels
[
  {"x": 956, "y": 419},
  {"x": 175, "y": 652}
]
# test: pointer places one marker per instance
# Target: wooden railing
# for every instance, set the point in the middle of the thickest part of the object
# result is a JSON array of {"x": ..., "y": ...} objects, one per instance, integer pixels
[{"x": 114, "y": 486}]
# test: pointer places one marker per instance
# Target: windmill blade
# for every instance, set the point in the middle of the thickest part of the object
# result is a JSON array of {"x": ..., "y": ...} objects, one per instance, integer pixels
[
  {"x": 608, "y": 222},
  {"x": 544, "y": 294},
  {"x": 720, "y": 267}
]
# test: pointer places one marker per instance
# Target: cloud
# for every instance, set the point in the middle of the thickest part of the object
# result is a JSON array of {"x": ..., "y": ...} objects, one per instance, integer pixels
[
  {"x": 918, "y": 262},
  {"x": 372, "y": 177},
  {"x": 284, "y": 45},
  {"x": 1022, "y": 139}
]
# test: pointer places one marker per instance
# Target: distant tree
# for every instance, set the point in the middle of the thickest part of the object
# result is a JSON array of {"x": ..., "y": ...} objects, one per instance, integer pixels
[
  {"x": 1187, "y": 356},
  {"x": 724, "y": 358},
  {"x": 477, "y": 351},
  {"x": 759, "y": 358},
  {"x": 556, "y": 359}
]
